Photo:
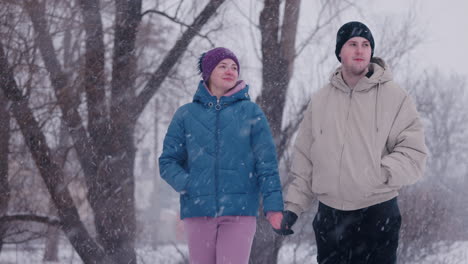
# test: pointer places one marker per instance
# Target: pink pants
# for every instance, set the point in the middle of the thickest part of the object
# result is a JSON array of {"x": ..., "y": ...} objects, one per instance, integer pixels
[{"x": 220, "y": 240}]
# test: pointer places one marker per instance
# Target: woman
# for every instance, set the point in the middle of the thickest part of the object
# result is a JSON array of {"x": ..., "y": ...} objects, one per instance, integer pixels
[{"x": 219, "y": 155}]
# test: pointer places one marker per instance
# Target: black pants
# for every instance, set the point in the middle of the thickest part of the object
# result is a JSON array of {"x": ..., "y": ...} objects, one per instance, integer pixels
[{"x": 364, "y": 236}]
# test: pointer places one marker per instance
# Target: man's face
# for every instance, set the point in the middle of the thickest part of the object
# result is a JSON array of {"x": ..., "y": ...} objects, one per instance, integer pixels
[{"x": 355, "y": 55}]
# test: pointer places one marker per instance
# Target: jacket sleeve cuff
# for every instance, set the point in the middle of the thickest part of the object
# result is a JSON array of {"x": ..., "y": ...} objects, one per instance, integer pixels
[{"x": 294, "y": 208}]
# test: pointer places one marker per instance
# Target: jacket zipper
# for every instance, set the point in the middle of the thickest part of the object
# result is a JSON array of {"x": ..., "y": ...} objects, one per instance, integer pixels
[
  {"x": 342, "y": 149},
  {"x": 218, "y": 109}
]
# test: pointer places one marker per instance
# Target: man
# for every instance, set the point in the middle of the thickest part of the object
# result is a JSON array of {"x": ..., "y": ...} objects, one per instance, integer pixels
[{"x": 361, "y": 140}]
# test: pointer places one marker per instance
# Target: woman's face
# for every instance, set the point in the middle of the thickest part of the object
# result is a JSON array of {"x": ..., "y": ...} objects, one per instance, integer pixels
[{"x": 224, "y": 76}]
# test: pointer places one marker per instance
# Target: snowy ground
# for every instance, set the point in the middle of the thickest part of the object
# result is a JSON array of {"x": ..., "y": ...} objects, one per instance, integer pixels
[
  {"x": 175, "y": 254},
  {"x": 455, "y": 254}
]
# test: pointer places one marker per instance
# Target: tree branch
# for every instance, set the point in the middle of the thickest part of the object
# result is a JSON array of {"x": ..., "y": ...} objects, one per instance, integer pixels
[
  {"x": 93, "y": 75},
  {"x": 31, "y": 218},
  {"x": 173, "y": 19},
  {"x": 67, "y": 101},
  {"x": 289, "y": 32},
  {"x": 127, "y": 20},
  {"x": 172, "y": 57},
  {"x": 289, "y": 130},
  {"x": 49, "y": 170},
  {"x": 328, "y": 5}
]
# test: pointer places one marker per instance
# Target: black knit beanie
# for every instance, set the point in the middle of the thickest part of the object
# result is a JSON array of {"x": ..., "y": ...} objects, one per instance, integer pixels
[{"x": 351, "y": 30}]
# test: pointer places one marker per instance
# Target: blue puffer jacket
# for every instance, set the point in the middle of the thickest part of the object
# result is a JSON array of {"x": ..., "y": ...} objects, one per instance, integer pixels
[{"x": 220, "y": 155}]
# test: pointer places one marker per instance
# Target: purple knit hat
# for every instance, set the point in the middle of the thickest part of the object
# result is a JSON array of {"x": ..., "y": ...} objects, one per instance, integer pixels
[{"x": 208, "y": 61}]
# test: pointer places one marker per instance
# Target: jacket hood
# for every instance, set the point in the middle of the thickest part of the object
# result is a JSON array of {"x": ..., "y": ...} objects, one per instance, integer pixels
[
  {"x": 380, "y": 75},
  {"x": 237, "y": 93}
]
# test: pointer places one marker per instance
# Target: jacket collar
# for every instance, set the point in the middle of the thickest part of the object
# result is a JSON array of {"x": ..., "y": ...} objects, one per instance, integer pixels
[
  {"x": 237, "y": 93},
  {"x": 381, "y": 74}
]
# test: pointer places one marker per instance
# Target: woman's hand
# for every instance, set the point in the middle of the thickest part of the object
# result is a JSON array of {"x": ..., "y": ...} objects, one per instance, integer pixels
[
  {"x": 275, "y": 219},
  {"x": 282, "y": 222}
]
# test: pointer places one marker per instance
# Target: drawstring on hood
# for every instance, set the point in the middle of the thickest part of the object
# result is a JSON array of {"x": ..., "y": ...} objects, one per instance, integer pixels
[
  {"x": 377, "y": 107},
  {"x": 380, "y": 62}
]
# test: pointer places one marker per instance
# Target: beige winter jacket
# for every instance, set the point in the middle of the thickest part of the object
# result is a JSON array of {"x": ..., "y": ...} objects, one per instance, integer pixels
[{"x": 356, "y": 147}]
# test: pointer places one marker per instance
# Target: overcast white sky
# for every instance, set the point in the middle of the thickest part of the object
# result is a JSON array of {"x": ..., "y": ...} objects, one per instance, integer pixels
[
  {"x": 446, "y": 41},
  {"x": 443, "y": 22}
]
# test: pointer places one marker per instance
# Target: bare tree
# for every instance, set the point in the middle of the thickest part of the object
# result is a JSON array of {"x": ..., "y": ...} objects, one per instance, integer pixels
[
  {"x": 52, "y": 233},
  {"x": 397, "y": 41},
  {"x": 104, "y": 139},
  {"x": 278, "y": 50},
  {"x": 434, "y": 210},
  {"x": 50, "y": 171}
]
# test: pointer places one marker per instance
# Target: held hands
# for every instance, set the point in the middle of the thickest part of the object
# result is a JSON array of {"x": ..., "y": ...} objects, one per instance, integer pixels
[{"x": 282, "y": 222}]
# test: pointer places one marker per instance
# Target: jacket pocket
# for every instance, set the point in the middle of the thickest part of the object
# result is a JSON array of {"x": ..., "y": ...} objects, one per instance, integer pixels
[
  {"x": 375, "y": 181},
  {"x": 321, "y": 182},
  {"x": 198, "y": 183}
]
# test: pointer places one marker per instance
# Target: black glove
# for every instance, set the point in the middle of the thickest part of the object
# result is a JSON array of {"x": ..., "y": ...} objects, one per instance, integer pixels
[{"x": 289, "y": 218}]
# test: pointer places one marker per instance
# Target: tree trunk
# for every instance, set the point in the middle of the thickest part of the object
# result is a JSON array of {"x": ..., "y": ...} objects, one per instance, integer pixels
[
  {"x": 49, "y": 170},
  {"x": 4, "y": 151},
  {"x": 53, "y": 233},
  {"x": 114, "y": 208},
  {"x": 105, "y": 145},
  {"x": 113, "y": 198},
  {"x": 155, "y": 207},
  {"x": 52, "y": 239},
  {"x": 277, "y": 60}
]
